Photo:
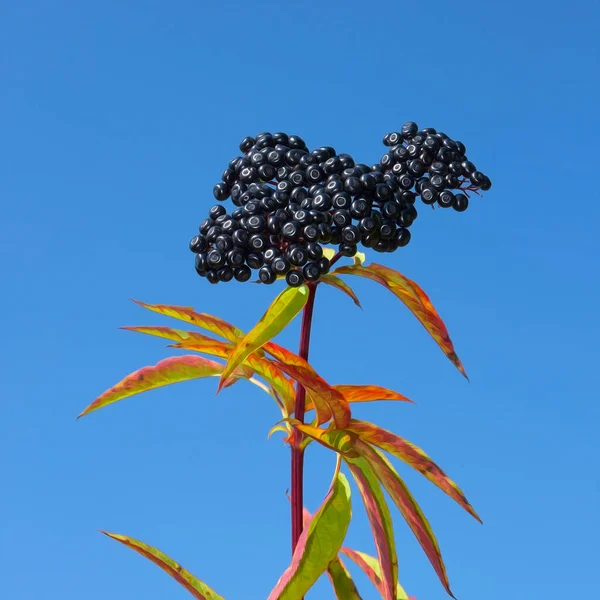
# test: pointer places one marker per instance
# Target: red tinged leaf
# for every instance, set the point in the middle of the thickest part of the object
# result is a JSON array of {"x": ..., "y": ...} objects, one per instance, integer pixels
[
  {"x": 328, "y": 401},
  {"x": 370, "y": 567},
  {"x": 341, "y": 285},
  {"x": 407, "y": 505},
  {"x": 168, "y": 371},
  {"x": 414, "y": 298},
  {"x": 369, "y": 393},
  {"x": 413, "y": 456},
  {"x": 381, "y": 524},
  {"x": 278, "y": 316},
  {"x": 198, "y": 589},
  {"x": 376, "y": 507},
  {"x": 319, "y": 543},
  {"x": 197, "y": 342},
  {"x": 186, "y": 313}
]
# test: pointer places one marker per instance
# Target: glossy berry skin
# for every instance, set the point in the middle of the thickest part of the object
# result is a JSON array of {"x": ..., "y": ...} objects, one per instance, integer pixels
[
  {"x": 198, "y": 244},
  {"x": 246, "y": 144},
  {"x": 242, "y": 273},
  {"x": 324, "y": 265},
  {"x": 221, "y": 192},
  {"x": 225, "y": 274},
  {"x": 289, "y": 200},
  {"x": 294, "y": 278},
  {"x": 224, "y": 243},
  {"x": 280, "y": 265},
  {"x": 266, "y": 275},
  {"x": 297, "y": 254},
  {"x": 401, "y": 237},
  {"x": 351, "y": 235},
  {"x": 255, "y": 260},
  {"x": 212, "y": 276},
  {"x": 348, "y": 249},
  {"x": 461, "y": 203},
  {"x": 315, "y": 251},
  {"x": 446, "y": 199},
  {"x": 215, "y": 259},
  {"x": 311, "y": 271}
]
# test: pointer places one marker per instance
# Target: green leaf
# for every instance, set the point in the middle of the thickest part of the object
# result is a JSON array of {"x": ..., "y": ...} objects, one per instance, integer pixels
[
  {"x": 198, "y": 589},
  {"x": 341, "y": 285},
  {"x": 341, "y": 580},
  {"x": 319, "y": 543},
  {"x": 371, "y": 568},
  {"x": 281, "y": 312}
]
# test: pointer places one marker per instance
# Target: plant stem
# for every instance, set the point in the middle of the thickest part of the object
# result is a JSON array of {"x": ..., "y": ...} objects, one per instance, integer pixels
[{"x": 297, "y": 452}]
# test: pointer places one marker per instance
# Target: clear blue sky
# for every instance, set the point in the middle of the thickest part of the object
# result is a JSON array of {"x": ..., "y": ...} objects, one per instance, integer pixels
[{"x": 117, "y": 118}]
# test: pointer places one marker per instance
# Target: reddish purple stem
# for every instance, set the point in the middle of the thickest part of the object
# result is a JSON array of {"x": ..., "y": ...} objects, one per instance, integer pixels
[{"x": 297, "y": 453}]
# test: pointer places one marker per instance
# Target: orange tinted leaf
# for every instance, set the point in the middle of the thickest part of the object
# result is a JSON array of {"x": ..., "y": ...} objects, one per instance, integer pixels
[
  {"x": 197, "y": 342},
  {"x": 187, "y": 314},
  {"x": 168, "y": 371},
  {"x": 281, "y": 312},
  {"x": 329, "y": 402},
  {"x": 341, "y": 285},
  {"x": 370, "y": 566},
  {"x": 198, "y": 589},
  {"x": 369, "y": 393},
  {"x": 407, "y": 505},
  {"x": 413, "y": 456},
  {"x": 414, "y": 298}
]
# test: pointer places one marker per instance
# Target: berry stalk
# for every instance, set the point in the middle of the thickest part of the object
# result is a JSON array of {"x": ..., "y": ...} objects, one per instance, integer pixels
[{"x": 297, "y": 452}]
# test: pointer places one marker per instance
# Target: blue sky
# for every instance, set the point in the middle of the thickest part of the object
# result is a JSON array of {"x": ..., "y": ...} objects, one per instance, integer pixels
[{"x": 117, "y": 119}]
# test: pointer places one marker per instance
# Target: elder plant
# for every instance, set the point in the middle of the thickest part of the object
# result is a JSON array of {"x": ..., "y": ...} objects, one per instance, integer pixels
[{"x": 298, "y": 213}]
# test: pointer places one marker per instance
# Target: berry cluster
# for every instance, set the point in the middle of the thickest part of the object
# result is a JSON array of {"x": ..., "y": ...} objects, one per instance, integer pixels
[{"x": 291, "y": 201}]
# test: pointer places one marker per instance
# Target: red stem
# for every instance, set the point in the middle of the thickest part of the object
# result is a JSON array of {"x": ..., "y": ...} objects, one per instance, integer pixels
[{"x": 297, "y": 453}]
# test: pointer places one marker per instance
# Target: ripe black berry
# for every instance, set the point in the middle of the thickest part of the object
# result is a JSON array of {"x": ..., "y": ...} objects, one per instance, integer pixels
[
  {"x": 211, "y": 276},
  {"x": 215, "y": 259},
  {"x": 266, "y": 275},
  {"x": 446, "y": 199},
  {"x": 224, "y": 243},
  {"x": 401, "y": 237},
  {"x": 294, "y": 278},
  {"x": 324, "y": 265},
  {"x": 280, "y": 265},
  {"x": 311, "y": 271},
  {"x": 225, "y": 274},
  {"x": 255, "y": 260},
  {"x": 257, "y": 243},
  {"x": 461, "y": 202},
  {"x": 246, "y": 144},
  {"x": 291, "y": 230},
  {"x": 348, "y": 249},
  {"x": 242, "y": 273},
  {"x": 198, "y": 244}
]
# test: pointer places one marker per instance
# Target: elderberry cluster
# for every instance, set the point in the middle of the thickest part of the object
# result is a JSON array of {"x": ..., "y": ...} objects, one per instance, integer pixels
[{"x": 291, "y": 201}]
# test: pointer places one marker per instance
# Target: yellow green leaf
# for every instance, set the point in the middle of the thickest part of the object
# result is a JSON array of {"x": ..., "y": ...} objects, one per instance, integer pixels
[
  {"x": 341, "y": 580},
  {"x": 318, "y": 544},
  {"x": 281, "y": 312},
  {"x": 198, "y": 589}
]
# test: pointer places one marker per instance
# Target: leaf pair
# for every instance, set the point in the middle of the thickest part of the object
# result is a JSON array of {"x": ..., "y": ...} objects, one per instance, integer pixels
[{"x": 360, "y": 445}]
